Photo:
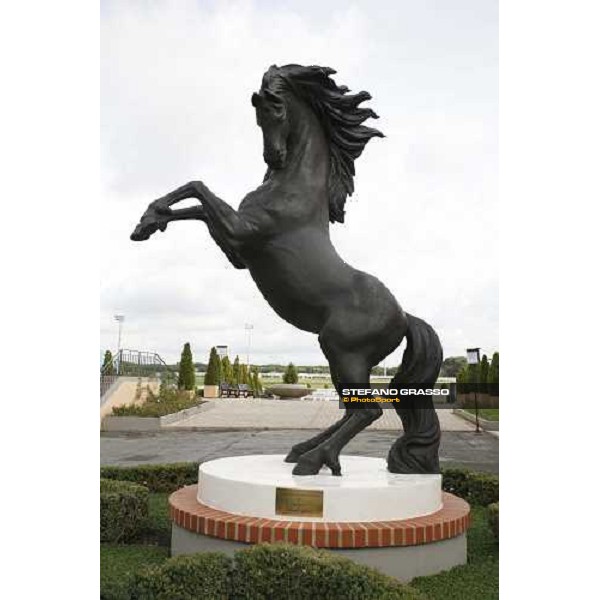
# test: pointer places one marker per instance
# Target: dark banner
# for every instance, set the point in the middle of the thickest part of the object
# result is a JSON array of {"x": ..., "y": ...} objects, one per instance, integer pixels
[{"x": 445, "y": 395}]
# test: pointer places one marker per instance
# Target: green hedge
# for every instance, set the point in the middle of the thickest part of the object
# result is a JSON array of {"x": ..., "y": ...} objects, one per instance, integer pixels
[
  {"x": 476, "y": 488},
  {"x": 282, "y": 571},
  {"x": 266, "y": 572},
  {"x": 123, "y": 510},
  {"x": 205, "y": 575},
  {"x": 157, "y": 478},
  {"x": 169, "y": 401},
  {"x": 494, "y": 518}
]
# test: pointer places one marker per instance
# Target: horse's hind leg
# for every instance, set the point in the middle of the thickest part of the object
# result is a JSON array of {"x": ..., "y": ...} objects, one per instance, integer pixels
[
  {"x": 350, "y": 368},
  {"x": 299, "y": 449}
]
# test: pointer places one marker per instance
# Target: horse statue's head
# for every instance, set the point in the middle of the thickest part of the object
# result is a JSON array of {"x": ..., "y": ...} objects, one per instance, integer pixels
[{"x": 337, "y": 111}]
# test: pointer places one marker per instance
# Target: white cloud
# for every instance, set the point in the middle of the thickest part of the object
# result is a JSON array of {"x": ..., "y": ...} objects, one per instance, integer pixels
[{"x": 176, "y": 84}]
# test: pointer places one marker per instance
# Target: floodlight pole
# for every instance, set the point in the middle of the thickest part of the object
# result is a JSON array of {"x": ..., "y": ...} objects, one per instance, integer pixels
[
  {"x": 248, "y": 327},
  {"x": 119, "y": 319}
]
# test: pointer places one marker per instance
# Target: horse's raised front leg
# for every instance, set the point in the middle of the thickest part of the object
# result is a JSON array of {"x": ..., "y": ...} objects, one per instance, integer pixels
[
  {"x": 159, "y": 214},
  {"x": 154, "y": 219}
]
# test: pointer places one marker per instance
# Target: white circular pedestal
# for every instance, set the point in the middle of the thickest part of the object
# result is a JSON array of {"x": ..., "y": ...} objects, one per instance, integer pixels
[{"x": 254, "y": 485}]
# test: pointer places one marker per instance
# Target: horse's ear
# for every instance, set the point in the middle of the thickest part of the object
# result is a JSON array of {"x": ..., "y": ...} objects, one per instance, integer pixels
[{"x": 255, "y": 100}]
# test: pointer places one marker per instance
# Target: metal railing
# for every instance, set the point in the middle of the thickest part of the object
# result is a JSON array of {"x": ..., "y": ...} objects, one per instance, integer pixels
[{"x": 135, "y": 363}]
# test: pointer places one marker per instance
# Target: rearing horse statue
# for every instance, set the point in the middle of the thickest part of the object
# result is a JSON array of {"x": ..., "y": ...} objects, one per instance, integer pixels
[{"x": 312, "y": 134}]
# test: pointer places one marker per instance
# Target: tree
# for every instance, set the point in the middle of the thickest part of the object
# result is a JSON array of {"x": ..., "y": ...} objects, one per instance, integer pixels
[
  {"x": 256, "y": 382},
  {"x": 473, "y": 373},
  {"x": 291, "y": 374},
  {"x": 452, "y": 365},
  {"x": 107, "y": 365},
  {"x": 236, "y": 370},
  {"x": 213, "y": 371},
  {"x": 226, "y": 370},
  {"x": 463, "y": 375},
  {"x": 494, "y": 372},
  {"x": 244, "y": 374},
  {"x": 484, "y": 368},
  {"x": 187, "y": 373}
]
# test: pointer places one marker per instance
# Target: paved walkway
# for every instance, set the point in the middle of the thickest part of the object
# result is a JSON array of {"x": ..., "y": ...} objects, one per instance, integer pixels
[{"x": 259, "y": 413}]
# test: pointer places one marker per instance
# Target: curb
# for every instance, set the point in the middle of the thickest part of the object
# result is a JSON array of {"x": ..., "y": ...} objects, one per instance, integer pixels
[{"x": 483, "y": 423}]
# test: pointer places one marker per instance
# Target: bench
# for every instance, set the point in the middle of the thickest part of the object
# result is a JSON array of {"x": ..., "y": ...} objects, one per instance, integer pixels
[{"x": 236, "y": 390}]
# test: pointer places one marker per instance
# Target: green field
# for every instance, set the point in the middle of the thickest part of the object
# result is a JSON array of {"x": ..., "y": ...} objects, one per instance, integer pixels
[{"x": 489, "y": 414}]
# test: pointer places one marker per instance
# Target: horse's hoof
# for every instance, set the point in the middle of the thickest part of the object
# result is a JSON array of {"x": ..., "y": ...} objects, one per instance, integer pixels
[
  {"x": 292, "y": 457},
  {"x": 311, "y": 463},
  {"x": 305, "y": 468},
  {"x": 296, "y": 452},
  {"x": 138, "y": 236}
]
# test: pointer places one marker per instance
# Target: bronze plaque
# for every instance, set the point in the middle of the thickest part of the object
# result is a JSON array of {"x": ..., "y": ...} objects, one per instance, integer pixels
[{"x": 299, "y": 503}]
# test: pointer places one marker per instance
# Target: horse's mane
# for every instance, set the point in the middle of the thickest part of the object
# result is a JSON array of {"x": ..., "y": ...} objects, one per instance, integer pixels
[{"x": 340, "y": 117}]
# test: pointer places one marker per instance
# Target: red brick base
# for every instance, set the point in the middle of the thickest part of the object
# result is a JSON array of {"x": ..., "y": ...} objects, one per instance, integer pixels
[{"x": 450, "y": 521}]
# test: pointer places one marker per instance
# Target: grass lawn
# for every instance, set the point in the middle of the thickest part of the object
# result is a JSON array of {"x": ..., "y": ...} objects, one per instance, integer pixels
[
  {"x": 477, "y": 580},
  {"x": 117, "y": 563},
  {"x": 489, "y": 414}
]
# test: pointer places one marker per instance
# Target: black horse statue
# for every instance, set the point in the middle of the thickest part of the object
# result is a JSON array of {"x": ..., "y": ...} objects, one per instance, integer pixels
[{"x": 312, "y": 134}]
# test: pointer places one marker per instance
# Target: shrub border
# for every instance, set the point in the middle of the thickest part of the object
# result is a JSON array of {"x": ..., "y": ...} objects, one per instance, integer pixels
[
  {"x": 474, "y": 487},
  {"x": 123, "y": 510}
]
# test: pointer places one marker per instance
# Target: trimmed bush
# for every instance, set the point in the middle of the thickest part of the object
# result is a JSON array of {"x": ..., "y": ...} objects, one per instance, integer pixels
[
  {"x": 266, "y": 572},
  {"x": 157, "y": 478},
  {"x": 205, "y": 576},
  {"x": 123, "y": 510},
  {"x": 167, "y": 402},
  {"x": 282, "y": 571},
  {"x": 494, "y": 518},
  {"x": 475, "y": 488}
]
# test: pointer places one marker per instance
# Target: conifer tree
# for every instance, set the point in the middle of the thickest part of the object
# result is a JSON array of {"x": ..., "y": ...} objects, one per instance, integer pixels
[
  {"x": 243, "y": 373},
  {"x": 256, "y": 382},
  {"x": 226, "y": 370},
  {"x": 494, "y": 372},
  {"x": 291, "y": 374},
  {"x": 213, "y": 370},
  {"x": 236, "y": 371},
  {"x": 187, "y": 372},
  {"x": 107, "y": 365},
  {"x": 484, "y": 368}
]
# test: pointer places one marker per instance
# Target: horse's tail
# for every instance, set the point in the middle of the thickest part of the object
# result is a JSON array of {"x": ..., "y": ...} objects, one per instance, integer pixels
[{"x": 417, "y": 450}]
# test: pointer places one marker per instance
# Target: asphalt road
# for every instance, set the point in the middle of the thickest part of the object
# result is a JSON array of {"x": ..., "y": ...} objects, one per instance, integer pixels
[{"x": 478, "y": 452}]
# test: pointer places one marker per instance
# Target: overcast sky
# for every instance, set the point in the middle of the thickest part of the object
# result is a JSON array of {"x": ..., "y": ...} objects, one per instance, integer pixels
[{"x": 176, "y": 84}]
